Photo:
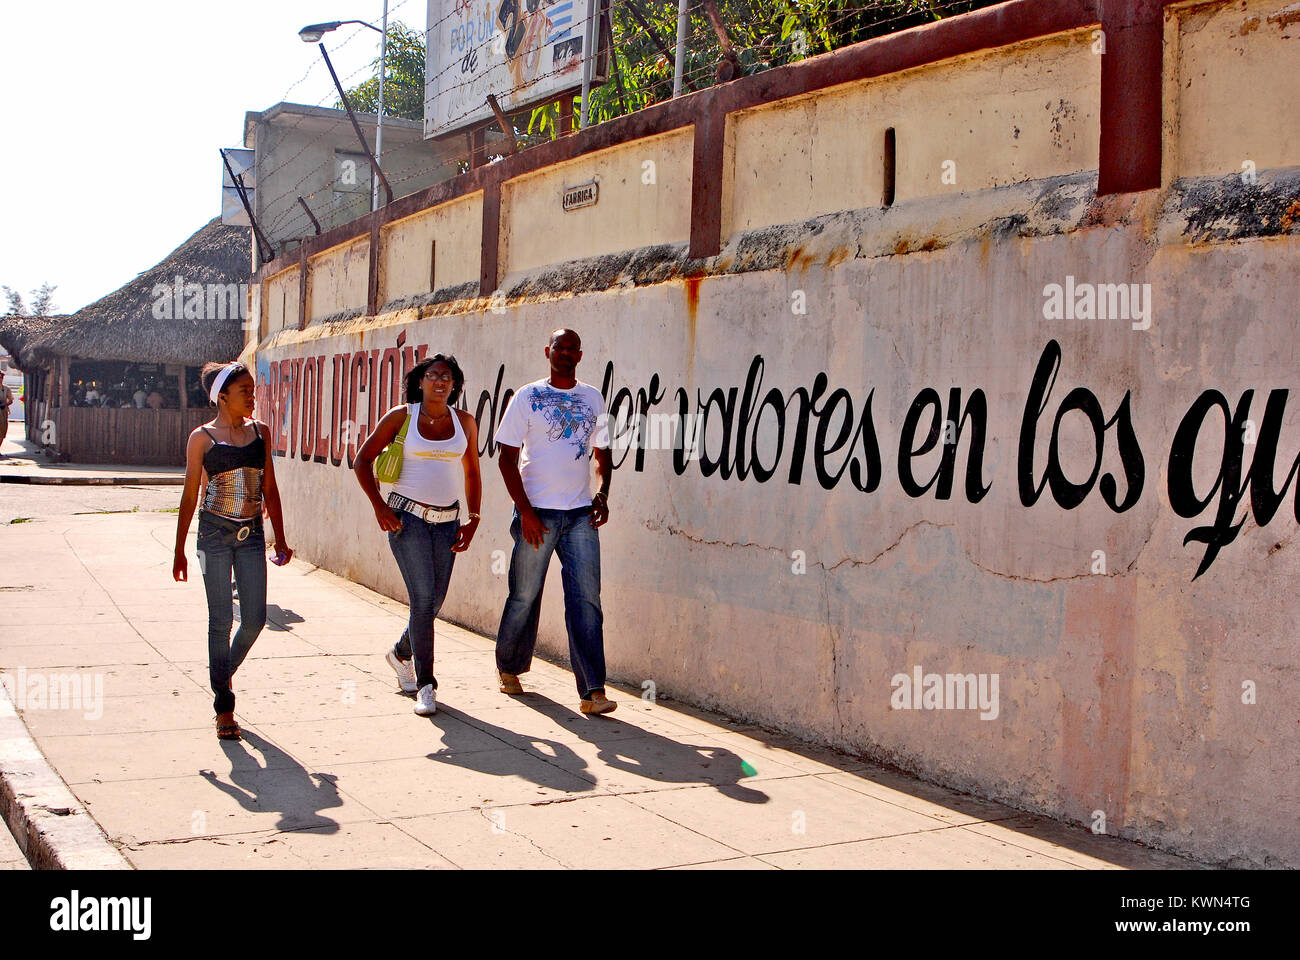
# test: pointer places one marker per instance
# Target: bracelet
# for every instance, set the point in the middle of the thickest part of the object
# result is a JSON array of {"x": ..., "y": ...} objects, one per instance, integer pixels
[
  {"x": 474, "y": 516},
  {"x": 601, "y": 494}
]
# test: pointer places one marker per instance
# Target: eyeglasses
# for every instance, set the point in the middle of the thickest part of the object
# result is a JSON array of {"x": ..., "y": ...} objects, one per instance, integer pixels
[{"x": 439, "y": 377}]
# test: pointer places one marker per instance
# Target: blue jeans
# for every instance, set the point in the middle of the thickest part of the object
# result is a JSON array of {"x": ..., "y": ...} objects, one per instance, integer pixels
[
  {"x": 423, "y": 552},
  {"x": 570, "y": 534},
  {"x": 220, "y": 555}
]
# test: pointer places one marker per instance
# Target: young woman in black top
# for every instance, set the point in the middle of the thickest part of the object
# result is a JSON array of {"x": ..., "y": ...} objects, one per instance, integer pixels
[{"x": 230, "y": 459}]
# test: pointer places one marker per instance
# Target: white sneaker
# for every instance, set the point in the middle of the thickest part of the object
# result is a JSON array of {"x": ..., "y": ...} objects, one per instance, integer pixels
[
  {"x": 426, "y": 703},
  {"x": 405, "y": 670}
]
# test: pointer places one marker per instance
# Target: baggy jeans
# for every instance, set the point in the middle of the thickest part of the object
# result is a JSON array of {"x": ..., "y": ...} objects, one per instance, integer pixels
[
  {"x": 220, "y": 555},
  {"x": 424, "y": 555},
  {"x": 569, "y": 534}
]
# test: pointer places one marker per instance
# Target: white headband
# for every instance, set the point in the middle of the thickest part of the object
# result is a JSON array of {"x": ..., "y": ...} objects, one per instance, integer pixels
[{"x": 221, "y": 379}]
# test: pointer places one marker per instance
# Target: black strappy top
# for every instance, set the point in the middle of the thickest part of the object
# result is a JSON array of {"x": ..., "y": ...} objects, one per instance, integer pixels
[{"x": 234, "y": 477}]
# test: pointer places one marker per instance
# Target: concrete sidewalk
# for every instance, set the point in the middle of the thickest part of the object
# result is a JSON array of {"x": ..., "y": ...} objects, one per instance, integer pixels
[
  {"x": 336, "y": 771},
  {"x": 22, "y": 461}
]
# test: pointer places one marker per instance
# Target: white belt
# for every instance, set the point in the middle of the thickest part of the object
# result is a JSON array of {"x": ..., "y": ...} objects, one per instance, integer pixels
[{"x": 427, "y": 514}]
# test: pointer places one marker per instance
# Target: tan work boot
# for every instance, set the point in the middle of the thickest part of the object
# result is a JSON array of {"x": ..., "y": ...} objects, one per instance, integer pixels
[
  {"x": 510, "y": 683},
  {"x": 598, "y": 703}
]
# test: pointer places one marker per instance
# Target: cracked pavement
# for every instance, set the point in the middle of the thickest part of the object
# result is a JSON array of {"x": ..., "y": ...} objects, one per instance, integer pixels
[{"x": 335, "y": 771}]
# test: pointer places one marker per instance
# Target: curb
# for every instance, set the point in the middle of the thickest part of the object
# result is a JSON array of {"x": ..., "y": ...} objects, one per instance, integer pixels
[
  {"x": 95, "y": 481},
  {"x": 50, "y": 825}
]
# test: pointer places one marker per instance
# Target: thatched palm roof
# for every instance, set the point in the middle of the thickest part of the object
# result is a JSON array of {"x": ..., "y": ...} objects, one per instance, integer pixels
[
  {"x": 133, "y": 323},
  {"x": 19, "y": 336}
]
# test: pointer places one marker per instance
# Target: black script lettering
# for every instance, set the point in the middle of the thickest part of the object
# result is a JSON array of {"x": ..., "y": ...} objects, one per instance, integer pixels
[
  {"x": 807, "y": 403},
  {"x": 613, "y": 412},
  {"x": 495, "y": 404},
  {"x": 753, "y": 387},
  {"x": 820, "y": 450},
  {"x": 906, "y": 452},
  {"x": 645, "y": 399},
  {"x": 726, "y": 404},
  {"x": 1230, "y": 485},
  {"x": 1067, "y": 494},
  {"x": 976, "y": 411},
  {"x": 776, "y": 403},
  {"x": 1264, "y": 500},
  {"x": 689, "y": 437}
]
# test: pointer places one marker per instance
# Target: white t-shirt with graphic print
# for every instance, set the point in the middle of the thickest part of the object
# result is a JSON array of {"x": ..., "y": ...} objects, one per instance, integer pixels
[{"x": 556, "y": 430}]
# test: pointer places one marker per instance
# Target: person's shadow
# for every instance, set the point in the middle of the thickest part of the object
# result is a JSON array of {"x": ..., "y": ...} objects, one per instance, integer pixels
[
  {"x": 278, "y": 619},
  {"x": 279, "y": 785},
  {"x": 462, "y": 738},
  {"x": 281, "y": 618},
  {"x": 626, "y": 747}
]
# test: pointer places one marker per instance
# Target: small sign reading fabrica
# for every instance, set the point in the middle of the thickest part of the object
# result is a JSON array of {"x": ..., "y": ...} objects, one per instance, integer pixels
[{"x": 583, "y": 195}]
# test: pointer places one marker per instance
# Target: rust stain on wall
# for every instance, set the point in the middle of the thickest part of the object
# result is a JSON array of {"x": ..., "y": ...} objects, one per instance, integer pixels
[{"x": 838, "y": 255}]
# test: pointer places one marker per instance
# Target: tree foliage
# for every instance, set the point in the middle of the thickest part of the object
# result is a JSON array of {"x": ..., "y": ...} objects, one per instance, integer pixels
[
  {"x": 403, "y": 80},
  {"x": 42, "y": 301},
  {"x": 762, "y": 34}
]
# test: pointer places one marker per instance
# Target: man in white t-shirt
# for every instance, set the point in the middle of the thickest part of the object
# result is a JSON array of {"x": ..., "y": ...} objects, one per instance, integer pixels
[{"x": 547, "y": 438}]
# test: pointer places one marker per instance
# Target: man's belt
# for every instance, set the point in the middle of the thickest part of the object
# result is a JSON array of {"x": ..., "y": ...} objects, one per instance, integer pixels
[{"x": 427, "y": 514}]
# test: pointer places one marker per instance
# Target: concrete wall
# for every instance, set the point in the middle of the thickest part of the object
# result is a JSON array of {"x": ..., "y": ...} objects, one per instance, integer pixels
[
  {"x": 1025, "y": 112},
  {"x": 631, "y": 211},
  {"x": 834, "y": 536},
  {"x": 337, "y": 279},
  {"x": 1230, "y": 64},
  {"x": 441, "y": 242},
  {"x": 279, "y": 302}
]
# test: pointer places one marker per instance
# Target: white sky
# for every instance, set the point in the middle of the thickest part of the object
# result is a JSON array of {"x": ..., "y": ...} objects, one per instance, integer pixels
[{"x": 109, "y": 159}]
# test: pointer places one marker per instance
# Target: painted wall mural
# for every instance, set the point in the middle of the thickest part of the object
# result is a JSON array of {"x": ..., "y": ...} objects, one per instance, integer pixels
[{"x": 322, "y": 406}]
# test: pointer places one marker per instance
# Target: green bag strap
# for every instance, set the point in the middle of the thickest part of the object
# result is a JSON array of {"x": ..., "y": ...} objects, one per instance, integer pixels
[{"x": 401, "y": 434}]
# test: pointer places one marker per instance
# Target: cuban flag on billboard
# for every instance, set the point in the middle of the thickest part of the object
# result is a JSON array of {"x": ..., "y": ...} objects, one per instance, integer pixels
[{"x": 561, "y": 17}]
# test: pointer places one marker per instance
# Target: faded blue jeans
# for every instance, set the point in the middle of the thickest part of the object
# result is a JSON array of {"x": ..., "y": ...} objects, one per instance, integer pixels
[
  {"x": 423, "y": 552},
  {"x": 220, "y": 555},
  {"x": 570, "y": 534}
]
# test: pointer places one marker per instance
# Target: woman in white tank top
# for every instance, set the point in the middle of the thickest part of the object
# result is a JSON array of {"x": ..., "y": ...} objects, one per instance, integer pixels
[{"x": 422, "y": 514}]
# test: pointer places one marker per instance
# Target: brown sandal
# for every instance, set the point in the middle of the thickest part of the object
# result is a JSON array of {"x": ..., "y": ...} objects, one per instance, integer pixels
[{"x": 227, "y": 728}]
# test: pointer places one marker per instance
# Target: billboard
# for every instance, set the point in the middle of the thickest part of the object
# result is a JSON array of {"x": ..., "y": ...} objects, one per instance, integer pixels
[
  {"x": 243, "y": 163},
  {"x": 522, "y": 51}
]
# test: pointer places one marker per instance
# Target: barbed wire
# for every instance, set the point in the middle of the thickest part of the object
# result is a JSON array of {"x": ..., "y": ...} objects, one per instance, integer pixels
[{"x": 703, "y": 55}]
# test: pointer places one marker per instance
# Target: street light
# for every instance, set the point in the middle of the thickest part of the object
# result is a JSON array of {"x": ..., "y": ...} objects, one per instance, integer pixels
[{"x": 312, "y": 34}]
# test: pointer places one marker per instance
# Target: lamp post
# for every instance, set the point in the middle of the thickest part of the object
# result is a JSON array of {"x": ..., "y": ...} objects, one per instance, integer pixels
[{"x": 312, "y": 34}]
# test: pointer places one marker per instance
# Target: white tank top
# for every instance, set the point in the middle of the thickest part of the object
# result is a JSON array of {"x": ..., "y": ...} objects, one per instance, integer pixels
[{"x": 431, "y": 469}]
